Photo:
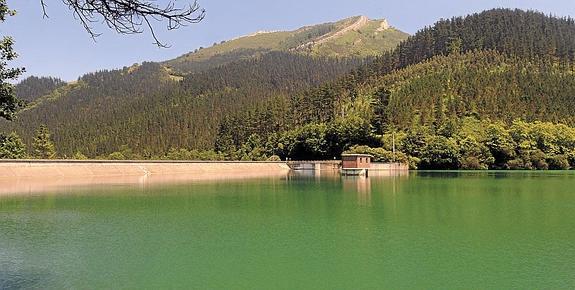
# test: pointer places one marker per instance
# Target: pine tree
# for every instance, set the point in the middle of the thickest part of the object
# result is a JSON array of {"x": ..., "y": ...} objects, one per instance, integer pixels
[
  {"x": 12, "y": 147},
  {"x": 79, "y": 156},
  {"x": 43, "y": 145}
]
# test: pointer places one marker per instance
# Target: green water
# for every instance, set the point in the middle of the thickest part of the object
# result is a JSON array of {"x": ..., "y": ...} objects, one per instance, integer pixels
[{"x": 428, "y": 230}]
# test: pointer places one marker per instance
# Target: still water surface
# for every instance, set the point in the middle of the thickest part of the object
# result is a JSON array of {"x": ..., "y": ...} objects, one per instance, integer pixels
[{"x": 427, "y": 230}]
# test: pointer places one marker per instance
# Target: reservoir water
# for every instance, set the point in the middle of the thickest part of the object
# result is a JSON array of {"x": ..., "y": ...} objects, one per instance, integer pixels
[{"x": 447, "y": 230}]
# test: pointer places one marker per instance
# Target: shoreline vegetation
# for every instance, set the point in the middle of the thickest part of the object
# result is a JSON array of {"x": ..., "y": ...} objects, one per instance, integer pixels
[{"x": 463, "y": 144}]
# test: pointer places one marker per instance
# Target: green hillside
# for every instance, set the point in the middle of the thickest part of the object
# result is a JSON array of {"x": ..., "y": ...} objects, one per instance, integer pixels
[
  {"x": 368, "y": 40},
  {"x": 355, "y": 36},
  {"x": 527, "y": 36},
  {"x": 145, "y": 108},
  {"x": 485, "y": 83},
  {"x": 453, "y": 94}
]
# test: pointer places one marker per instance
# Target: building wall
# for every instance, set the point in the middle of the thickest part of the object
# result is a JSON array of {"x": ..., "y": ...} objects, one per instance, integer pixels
[
  {"x": 389, "y": 166},
  {"x": 364, "y": 162},
  {"x": 349, "y": 163},
  {"x": 356, "y": 162}
]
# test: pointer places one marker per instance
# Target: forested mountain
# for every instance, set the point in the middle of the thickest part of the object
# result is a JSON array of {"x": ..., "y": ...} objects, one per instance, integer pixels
[
  {"x": 490, "y": 90},
  {"x": 33, "y": 87},
  {"x": 527, "y": 37},
  {"x": 493, "y": 67},
  {"x": 179, "y": 103}
]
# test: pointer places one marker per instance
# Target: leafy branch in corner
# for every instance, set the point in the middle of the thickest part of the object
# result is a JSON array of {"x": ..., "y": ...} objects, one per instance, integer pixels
[{"x": 132, "y": 16}]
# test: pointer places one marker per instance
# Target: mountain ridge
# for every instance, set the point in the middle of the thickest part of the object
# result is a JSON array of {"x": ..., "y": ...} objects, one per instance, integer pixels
[
  {"x": 356, "y": 36},
  {"x": 361, "y": 21}
]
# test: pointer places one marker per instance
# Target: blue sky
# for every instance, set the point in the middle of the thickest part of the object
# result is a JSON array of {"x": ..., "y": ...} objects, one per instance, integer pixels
[{"x": 58, "y": 46}]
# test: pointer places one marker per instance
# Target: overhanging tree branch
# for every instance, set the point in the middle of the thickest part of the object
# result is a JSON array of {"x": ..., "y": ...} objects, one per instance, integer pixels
[{"x": 132, "y": 16}]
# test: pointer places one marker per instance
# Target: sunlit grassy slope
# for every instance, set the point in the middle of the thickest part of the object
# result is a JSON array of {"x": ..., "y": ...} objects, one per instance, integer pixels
[{"x": 355, "y": 36}]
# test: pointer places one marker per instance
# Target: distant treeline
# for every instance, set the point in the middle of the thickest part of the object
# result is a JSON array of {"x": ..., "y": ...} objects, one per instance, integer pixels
[
  {"x": 33, "y": 87},
  {"x": 466, "y": 143}
]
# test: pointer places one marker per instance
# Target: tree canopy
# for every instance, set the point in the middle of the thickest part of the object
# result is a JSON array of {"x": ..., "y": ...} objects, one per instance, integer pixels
[
  {"x": 8, "y": 101},
  {"x": 43, "y": 145}
]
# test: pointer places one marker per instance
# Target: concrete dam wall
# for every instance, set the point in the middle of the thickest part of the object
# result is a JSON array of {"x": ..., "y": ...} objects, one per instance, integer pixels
[
  {"x": 44, "y": 175},
  {"x": 65, "y": 168}
]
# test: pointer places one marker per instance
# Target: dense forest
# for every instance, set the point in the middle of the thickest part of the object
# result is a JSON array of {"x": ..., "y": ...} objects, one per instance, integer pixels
[
  {"x": 33, "y": 87},
  {"x": 513, "y": 33},
  {"x": 152, "y": 111},
  {"x": 490, "y": 90}
]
